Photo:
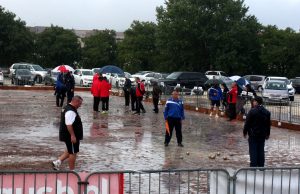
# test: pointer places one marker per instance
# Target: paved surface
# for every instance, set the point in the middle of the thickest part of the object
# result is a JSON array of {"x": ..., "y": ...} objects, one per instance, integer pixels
[{"x": 29, "y": 122}]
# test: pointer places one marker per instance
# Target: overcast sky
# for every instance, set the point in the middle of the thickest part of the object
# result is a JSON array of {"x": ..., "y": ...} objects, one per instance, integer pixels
[{"x": 119, "y": 14}]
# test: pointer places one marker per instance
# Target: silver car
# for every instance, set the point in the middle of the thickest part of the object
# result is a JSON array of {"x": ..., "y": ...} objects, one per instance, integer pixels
[{"x": 275, "y": 91}]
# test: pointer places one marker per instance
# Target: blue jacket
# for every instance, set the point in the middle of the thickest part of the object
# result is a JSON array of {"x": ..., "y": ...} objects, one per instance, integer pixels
[
  {"x": 215, "y": 93},
  {"x": 174, "y": 109}
]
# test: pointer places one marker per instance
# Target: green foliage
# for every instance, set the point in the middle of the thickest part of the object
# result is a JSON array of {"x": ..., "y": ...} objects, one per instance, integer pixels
[
  {"x": 201, "y": 35},
  {"x": 138, "y": 51},
  {"x": 56, "y": 46},
  {"x": 100, "y": 49},
  {"x": 16, "y": 42}
]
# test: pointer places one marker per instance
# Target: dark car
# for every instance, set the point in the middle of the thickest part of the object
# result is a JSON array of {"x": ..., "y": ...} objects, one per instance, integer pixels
[
  {"x": 296, "y": 84},
  {"x": 188, "y": 80},
  {"x": 22, "y": 77},
  {"x": 50, "y": 78}
]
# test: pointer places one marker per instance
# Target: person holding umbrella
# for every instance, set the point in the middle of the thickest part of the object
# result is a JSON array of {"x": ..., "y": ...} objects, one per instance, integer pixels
[{"x": 215, "y": 96}]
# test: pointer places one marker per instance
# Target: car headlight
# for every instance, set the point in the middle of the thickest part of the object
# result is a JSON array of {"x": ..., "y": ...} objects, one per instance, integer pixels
[{"x": 19, "y": 77}]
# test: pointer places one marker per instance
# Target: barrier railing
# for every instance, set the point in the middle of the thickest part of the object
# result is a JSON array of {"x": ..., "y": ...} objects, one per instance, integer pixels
[{"x": 284, "y": 180}]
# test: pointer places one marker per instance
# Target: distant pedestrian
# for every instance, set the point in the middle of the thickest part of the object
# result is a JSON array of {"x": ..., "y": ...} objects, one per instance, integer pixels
[
  {"x": 70, "y": 85},
  {"x": 215, "y": 96},
  {"x": 95, "y": 90},
  {"x": 133, "y": 98},
  {"x": 174, "y": 114},
  {"x": 126, "y": 89},
  {"x": 225, "y": 91},
  {"x": 156, "y": 92},
  {"x": 70, "y": 132},
  {"x": 232, "y": 99},
  {"x": 104, "y": 94},
  {"x": 139, "y": 92},
  {"x": 257, "y": 127},
  {"x": 60, "y": 89}
]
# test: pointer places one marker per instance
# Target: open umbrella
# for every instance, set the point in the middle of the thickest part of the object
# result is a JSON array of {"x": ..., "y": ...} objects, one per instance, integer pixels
[
  {"x": 63, "y": 68},
  {"x": 235, "y": 77},
  {"x": 111, "y": 69},
  {"x": 242, "y": 82}
]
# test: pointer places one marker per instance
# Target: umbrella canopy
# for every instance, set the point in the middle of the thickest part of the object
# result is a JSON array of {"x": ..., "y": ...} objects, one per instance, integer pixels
[
  {"x": 235, "y": 77},
  {"x": 242, "y": 82},
  {"x": 111, "y": 69},
  {"x": 63, "y": 68}
]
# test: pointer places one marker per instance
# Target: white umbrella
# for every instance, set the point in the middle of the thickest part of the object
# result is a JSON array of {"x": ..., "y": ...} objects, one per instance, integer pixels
[
  {"x": 63, "y": 68},
  {"x": 235, "y": 77}
]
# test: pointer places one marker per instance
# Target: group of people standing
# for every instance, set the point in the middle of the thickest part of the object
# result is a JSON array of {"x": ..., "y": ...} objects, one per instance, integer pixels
[
  {"x": 65, "y": 84},
  {"x": 100, "y": 91}
]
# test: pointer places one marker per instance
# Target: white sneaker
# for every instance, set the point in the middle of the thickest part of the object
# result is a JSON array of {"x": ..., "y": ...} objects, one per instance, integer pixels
[
  {"x": 103, "y": 112},
  {"x": 56, "y": 164},
  {"x": 217, "y": 116},
  {"x": 210, "y": 114}
]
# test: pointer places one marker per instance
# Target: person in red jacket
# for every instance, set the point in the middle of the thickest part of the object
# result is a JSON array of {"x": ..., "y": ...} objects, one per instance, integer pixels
[
  {"x": 139, "y": 92},
  {"x": 231, "y": 99},
  {"x": 95, "y": 90},
  {"x": 104, "y": 94}
]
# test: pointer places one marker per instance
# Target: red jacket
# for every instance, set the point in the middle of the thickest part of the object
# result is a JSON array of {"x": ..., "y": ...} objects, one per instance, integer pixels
[
  {"x": 104, "y": 89},
  {"x": 232, "y": 95},
  {"x": 95, "y": 86},
  {"x": 139, "y": 92}
]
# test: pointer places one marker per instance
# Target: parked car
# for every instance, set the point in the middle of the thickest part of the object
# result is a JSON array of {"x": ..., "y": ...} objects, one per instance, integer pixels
[
  {"x": 22, "y": 77},
  {"x": 51, "y": 77},
  {"x": 296, "y": 84},
  {"x": 95, "y": 70},
  {"x": 140, "y": 74},
  {"x": 83, "y": 77},
  {"x": 215, "y": 74},
  {"x": 37, "y": 71},
  {"x": 117, "y": 80},
  {"x": 158, "y": 76},
  {"x": 147, "y": 76},
  {"x": 5, "y": 71},
  {"x": 288, "y": 83},
  {"x": 186, "y": 80},
  {"x": 256, "y": 81},
  {"x": 275, "y": 91},
  {"x": 1, "y": 78}
]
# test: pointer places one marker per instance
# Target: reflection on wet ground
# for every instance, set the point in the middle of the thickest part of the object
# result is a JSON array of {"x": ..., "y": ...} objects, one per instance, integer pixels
[{"x": 29, "y": 122}]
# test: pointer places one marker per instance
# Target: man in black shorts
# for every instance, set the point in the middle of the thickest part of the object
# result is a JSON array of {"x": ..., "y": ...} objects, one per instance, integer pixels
[{"x": 70, "y": 132}]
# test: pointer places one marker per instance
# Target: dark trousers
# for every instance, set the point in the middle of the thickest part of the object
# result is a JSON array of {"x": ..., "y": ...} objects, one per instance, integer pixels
[
  {"x": 105, "y": 103},
  {"x": 127, "y": 95},
  {"x": 96, "y": 103},
  {"x": 139, "y": 104},
  {"x": 257, "y": 151},
  {"x": 70, "y": 95},
  {"x": 232, "y": 111},
  {"x": 133, "y": 103},
  {"x": 155, "y": 104},
  {"x": 174, "y": 123},
  {"x": 60, "y": 97}
]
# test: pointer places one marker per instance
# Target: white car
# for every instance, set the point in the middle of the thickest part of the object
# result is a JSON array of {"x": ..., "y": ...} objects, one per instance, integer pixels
[
  {"x": 83, "y": 77},
  {"x": 1, "y": 78},
  {"x": 117, "y": 80},
  {"x": 215, "y": 74},
  {"x": 275, "y": 91},
  {"x": 37, "y": 71},
  {"x": 147, "y": 76},
  {"x": 288, "y": 83}
]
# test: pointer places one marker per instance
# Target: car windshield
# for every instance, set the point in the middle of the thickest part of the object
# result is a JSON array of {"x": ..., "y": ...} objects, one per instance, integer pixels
[
  {"x": 276, "y": 86},
  {"x": 55, "y": 73},
  {"x": 174, "y": 75},
  {"x": 87, "y": 73},
  {"x": 23, "y": 72},
  {"x": 37, "y": 68},
  {"x": 211, "y": 73}
]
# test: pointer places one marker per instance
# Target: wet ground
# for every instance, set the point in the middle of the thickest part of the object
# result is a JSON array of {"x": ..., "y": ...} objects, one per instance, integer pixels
[{"x": 29, "y": 122}]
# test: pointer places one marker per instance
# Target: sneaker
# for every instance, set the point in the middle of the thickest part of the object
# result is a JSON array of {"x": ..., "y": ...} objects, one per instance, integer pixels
[
  {"x": 217, "y": 116},
  {"x": 210, "y": 114},
  {"x": 56, "y": 164},
  {"x": 103, "y": 112},
  {"x": 143, "y": 111},
  {"x": 180, "y": 145},
  {"x": 136, "y": 113},
  {"x": 166, "y": 144}
]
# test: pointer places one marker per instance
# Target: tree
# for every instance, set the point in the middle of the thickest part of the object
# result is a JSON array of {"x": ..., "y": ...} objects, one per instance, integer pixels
[
  {"x": 201, "y": 35},
  {"x": 56, "y": 46},
  {"x": 100, "y": 49},
  {"x": 138, "y": 51},
  {"x": 16, "y": 42}
]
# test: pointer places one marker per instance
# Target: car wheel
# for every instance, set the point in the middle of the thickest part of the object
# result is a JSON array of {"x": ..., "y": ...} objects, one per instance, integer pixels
[
  {"x": 38, "y": 79},
  {"x": 81, "y": 83},
  {"x": 259, "y": 88},
  {"x": 292, "y": 98}
]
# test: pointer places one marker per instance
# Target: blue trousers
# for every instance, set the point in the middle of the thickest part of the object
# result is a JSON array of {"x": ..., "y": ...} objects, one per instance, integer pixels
[{"x": 257, "y": 151}]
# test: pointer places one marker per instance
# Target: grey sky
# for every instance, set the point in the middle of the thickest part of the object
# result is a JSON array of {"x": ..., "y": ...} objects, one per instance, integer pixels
[{"x": 119, "y": 14}]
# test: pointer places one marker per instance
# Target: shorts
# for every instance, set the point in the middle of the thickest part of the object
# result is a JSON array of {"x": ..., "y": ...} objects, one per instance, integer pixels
[
  {"x": 215, "y": 102},
  {"x": 72, "y": 148}
]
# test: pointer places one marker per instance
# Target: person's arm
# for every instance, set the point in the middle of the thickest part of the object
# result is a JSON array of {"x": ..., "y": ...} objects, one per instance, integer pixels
[
  {"x": 268, "y": 126},
  {"x": 182, "y": 112},
  {"x": 166, "y": 111},
  {"x": 69, "y": 120},
  {"x": 71, "y": 131},
  {"x": 247, "y": 124}
]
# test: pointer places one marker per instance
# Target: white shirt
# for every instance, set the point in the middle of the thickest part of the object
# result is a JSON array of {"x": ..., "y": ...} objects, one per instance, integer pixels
[{"x": 70, "y": 117}]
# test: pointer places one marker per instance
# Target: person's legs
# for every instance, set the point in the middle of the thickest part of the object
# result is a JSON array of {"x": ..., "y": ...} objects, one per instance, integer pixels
[
  {"x": 57, "y": 98},
  {"x": 261, "y": 153},
  {"x": 72, "y": 159},
  {"x": 126, "y": 94},
  {"x": 252, "y": 152},
  {"x": 103, "y": 104},
  {"x": 96, "y": 103},
  {"x": 138, "y": 105},
  {"x": 107, "y": 104},
  {"x": 168, "y": 137},
  {"x": 178, "y": 131},
  {"x": 141, "y": 104},
  {"x": 63, "y": 95},
  {"x": 155, "y": 103}
]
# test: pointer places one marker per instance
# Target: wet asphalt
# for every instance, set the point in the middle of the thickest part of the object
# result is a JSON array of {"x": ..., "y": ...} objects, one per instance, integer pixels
[{"x": 29, "y": 123}]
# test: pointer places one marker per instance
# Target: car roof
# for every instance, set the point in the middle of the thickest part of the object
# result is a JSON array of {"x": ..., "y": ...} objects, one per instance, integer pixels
[{"x": 273, "y": 77}]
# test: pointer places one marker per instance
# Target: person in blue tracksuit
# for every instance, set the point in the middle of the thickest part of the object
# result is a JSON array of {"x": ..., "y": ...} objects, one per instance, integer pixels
[
  {"x": 174, "y": 114},
  {"x": 215, "y": 96}
]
